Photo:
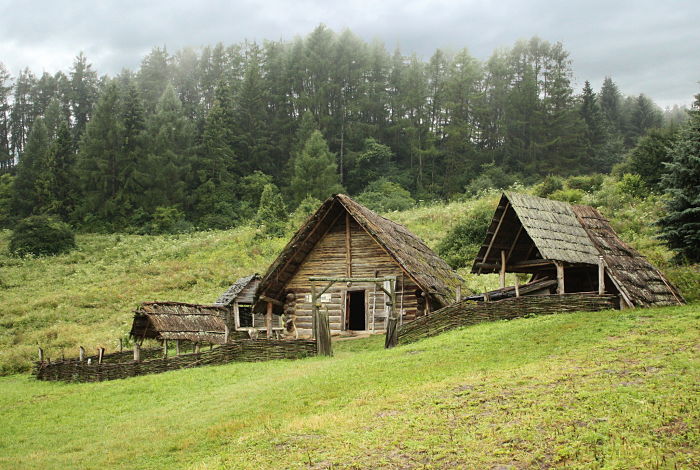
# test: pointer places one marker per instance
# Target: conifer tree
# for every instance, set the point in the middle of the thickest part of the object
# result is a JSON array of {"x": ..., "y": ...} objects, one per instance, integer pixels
[
  {"x": 681, "y": 226},
  {"x": 315, "y": 170},
  {"x": 272, "y": 213},
  {"x": 63, "y": 189},
  {"x": 29, "y": 192}
]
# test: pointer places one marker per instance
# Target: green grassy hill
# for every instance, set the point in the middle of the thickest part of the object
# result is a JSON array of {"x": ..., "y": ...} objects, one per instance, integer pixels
[
  {"x": 87, "y": 297},
  {"x": 613, "y": 389}
]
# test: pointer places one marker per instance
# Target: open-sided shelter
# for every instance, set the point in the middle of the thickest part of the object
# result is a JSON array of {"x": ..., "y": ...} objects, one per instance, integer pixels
[
  {"x": 572, "y": 244},
  {"x": 181, "y": 321},
  {"x": 344, "y": 239},
  {"x": 239, "y": 298}
]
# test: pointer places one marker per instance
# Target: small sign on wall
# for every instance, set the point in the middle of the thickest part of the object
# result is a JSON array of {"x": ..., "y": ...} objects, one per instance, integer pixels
[{"x": 325, "y": 298}]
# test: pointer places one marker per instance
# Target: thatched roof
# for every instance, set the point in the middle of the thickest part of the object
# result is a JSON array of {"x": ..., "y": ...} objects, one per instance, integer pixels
[
  {"x": 243, "y": 290},
  {"x": 530, "y": 228},
  {"x": 638, "y": 281},
  {"x": 430, "y": 272},
  {"x": 178, "y": 320}
]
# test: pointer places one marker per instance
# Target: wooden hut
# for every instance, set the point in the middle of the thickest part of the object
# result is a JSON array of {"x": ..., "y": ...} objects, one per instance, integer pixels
[
  {"x": 344, "y": 239},
  {"x": 239, "y": 299},
  {"x": 573, "y": 245},
  {"x": 181, "y": 321}
]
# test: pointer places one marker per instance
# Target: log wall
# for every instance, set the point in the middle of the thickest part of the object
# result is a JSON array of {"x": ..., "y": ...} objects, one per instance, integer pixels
[
  {"x": 329, "y": 258},
  {"x": 117, "y": 366},
  {"x": 469, "y": 312}
]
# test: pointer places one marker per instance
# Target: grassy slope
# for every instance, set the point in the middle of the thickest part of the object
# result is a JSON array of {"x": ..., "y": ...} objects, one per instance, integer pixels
[{"x": 615, "y": 389}]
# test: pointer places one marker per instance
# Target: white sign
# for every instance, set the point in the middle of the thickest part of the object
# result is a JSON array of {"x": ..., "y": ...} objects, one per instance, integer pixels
[{"x": 325, "y": 298}]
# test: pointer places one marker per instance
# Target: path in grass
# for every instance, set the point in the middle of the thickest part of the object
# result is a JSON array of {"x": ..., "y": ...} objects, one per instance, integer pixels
[{"x": 575, "y": 391}]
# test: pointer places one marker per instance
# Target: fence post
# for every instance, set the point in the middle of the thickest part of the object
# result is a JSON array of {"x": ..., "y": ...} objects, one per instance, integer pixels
[
  {"x": 41, "y": 355},
  {"x": 177, "y": 347},
  {"x": 100, "y": 355},
  {"x": 82, "y": 354},
  {"x": 165, "y": 348},
  {"x": 392, "y": 333},
  {"x": 137, "y": 351},
  {"x": 323, "y": 337},
  {"x": 601, "y": 276}
]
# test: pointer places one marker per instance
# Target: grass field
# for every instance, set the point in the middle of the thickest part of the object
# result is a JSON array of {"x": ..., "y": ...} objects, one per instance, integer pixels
[{"x": 613, "y": 389}]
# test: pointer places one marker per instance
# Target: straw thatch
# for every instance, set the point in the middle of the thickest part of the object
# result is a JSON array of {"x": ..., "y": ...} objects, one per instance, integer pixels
[
  {"x": 242, "y": 291},
  {"x": 640, "y": 283},
  {"x": 431, "y": 273},
  {"x": 179, "y": 320}
]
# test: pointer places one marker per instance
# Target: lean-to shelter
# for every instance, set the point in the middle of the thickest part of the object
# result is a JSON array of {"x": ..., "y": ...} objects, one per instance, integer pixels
[
  {"x": 344, "y": 239},
  {"x": 574, "y": 245}
]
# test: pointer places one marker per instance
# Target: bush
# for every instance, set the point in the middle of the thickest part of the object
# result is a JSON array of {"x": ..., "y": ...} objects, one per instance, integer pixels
[
  {"x": 572, "y": 196},
  {"x": 633, "y": 185},
  {"x": 461, "y": 244},
  {"x": 306, "y": 207},
  {"x": 39, "y": 235},
  {"x": 383, "y": 195},
  {"x": 492, "y": 177},
  {"x": 168, "y": 220},
  {"x": 588, "y": 183},
  {"x": 549, "y": 185}
]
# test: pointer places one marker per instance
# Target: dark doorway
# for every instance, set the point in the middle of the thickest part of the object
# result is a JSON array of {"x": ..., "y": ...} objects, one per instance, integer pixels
[
  {"x": 356, "y": 310},
  {"x": 245, "y": 315}
]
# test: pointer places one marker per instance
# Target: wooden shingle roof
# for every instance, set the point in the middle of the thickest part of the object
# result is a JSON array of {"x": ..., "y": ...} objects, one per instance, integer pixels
[
  {"x": 179, "y": 320},
  {"x": 242, "y": 290}
]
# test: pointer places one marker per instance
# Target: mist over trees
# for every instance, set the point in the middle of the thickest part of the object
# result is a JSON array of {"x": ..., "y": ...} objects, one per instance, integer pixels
[{"x": 200, "y": 133}]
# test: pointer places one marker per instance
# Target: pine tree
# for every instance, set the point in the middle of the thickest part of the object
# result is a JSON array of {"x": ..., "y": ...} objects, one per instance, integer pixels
[
  {"x": 681, "y": 227},
  {"x": 315, "y": 170},
  {"x": 153, "y": 77},
  {"x": 595, "y": 132},
  {"x": 21, "y": 116},
  {"x": 6, "y": 162},
  {"x": 83, "y": 93},
  {"x": 272, "y": 213},
  {"x": 30, "y": 185},
  {"x": 62, "y": 188}
]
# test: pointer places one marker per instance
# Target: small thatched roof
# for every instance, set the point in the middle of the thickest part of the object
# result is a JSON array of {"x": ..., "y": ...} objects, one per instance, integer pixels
[
  {"x": 529, "y": 228},
  {"x": 430, "y": 272},
  {"x": 178, "y": 320},
  {"x": 243, "y": 290},
  {"x": 640, "y": 283}
]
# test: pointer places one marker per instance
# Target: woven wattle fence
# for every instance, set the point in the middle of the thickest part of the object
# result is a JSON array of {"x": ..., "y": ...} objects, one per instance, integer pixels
[
  {"x": 118, "y": 365},
  {"x": 468, "y": 312}
]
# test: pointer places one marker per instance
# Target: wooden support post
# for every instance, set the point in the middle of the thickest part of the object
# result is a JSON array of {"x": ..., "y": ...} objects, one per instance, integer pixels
[
  {"x": 560, "y": 277},
  {"x": 227, "y": 333},
  {"x": 517, "y": 286},
  {"x": 165, "y": 348},
  {"x": 196, "y": 347},
  {"x": 348, "y": 246},
  {"x": 458, "y": 293},
  {"x": 314, "y": 312},
  {"x": 502, "y": 277},
  {"x": 177, "y": 347},
  {"x": 137, "y": 351},
  {"x": 41, "y": 355},
  {"x": 82, "y": 354},
  {"x": 100, "y": 355},
  {"x": 211, "y": 346},
  {"x": 268, "y": 320},
  {"x": 323, "y": 337},
  {"x": 601, "y": 276}
]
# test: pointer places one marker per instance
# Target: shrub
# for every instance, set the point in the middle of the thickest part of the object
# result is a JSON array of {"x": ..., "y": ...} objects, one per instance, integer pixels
[
  {"x": 460, "y": 245},
  {"x": 573, "y": 196},
  {"x": 39, "y": 235},
  {"x": 633, "y": 185},
  {"x": 549, "y": 185},
  {"x": 272, "y": 213},
  {"x": 492, "y": 177},
  {"x": 168, "y": 220},
  {"x": 383, "y": 195},
  {"x": 306, "y": 207},
  {"x": 587, "y": 183}
]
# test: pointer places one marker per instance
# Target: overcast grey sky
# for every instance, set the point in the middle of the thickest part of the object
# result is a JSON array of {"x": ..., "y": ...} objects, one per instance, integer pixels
[{"x": 650, "y": 47}]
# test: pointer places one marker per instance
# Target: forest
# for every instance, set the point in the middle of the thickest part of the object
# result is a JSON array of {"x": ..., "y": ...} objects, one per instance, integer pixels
[{"x": 193, "y": 138}]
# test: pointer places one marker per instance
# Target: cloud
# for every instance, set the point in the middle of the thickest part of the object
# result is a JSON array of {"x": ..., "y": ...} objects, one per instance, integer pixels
[{"x": 645, "y": 46}]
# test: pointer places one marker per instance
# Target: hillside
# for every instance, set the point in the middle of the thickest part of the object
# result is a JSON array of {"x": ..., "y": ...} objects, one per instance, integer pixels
[
  {"x": 614, "y": 389},
  {"x": 86, "y": 297}
]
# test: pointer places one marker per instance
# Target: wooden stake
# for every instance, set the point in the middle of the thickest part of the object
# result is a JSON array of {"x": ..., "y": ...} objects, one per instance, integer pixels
[
  {"x": 165, "y": 348},
  {"x": 268, "y": 320},
  {"x": 137, "y": 352},
  {"x": 458, "y": 293},
  {"x": 41, "y": 355},
  {"x": 348, "y": 246},
  {"x": 196, "y": 347},
  {"x": 177, "y": 347},
  {"x": 82, "y": 354},
  {"x": 502, "y": 277},
  {"x": 560, "y": 277},
  {"x": 601, "y": 276},
  {"x": 100, "y": 355},
  {"x": 517, "y": 286}
]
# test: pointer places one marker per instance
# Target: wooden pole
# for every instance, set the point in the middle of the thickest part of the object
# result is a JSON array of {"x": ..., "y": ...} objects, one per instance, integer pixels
[
  {"x": 348, "y": 247},
  {"x": 314, "y": 312},
  {"x": 560, "y": 277},
  {"x": 268, "y": 320},
  {"x": 502, "y": 277},
  {"x": 41, "y": 355},
  {"x": 82, "y": 354},
  {"x": 177, "y": 347},
  {"x": 458, "y": 293},
  {"x": 100, "y": 355},
  {"x": 165, "y": 348},
  {"x": 601, "y": 276},
  {"x": 196, "y": 347},
  {"x": 137, "y": 352},
  {"x": 495, "y": 232},
  {"x": 517, "y": 286}
]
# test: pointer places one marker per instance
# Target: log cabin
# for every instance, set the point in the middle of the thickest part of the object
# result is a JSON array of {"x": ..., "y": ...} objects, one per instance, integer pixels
[
  {"x": 567, "y": 249},
  {"x": 345, "y": 240}
]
